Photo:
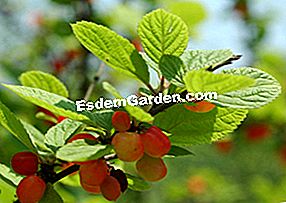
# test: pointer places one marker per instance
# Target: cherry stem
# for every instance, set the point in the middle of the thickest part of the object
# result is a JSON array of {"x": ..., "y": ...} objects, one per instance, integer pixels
[
  {"x": 65, "y": 173},
  {"x": 151, "y": 89}
]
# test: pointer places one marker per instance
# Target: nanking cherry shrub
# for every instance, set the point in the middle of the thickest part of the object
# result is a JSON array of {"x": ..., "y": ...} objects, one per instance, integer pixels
[{"x": 137, "y": 136}]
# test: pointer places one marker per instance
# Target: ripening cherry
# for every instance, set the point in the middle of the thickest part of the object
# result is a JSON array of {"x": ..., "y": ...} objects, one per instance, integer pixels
[
  {"x": 151, "y": 169},
  {"x": 31, "y": 189},
  {"x": 156, "y": 143},
  {"x": 25, "y": 163},
  {"x": 90, "y": 188},
  {"x": 82, "y": 136},
  {"x": 128, "y": 146},
  {"x": 120, "y": 121},
  {"x": 110, "y": 188},
  {"x": 93, "y": 173},
  {"x": 201, "y": 107}
]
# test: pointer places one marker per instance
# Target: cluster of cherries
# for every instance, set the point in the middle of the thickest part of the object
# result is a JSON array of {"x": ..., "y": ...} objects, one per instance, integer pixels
[
  {"x": 31, "y": 188},
  {"x": 146, "y": 148},
  {"x": 97, "y": 176}
]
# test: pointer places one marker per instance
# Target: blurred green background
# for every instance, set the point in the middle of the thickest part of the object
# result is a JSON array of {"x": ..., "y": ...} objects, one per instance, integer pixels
[{"x": 248, "y": 166}]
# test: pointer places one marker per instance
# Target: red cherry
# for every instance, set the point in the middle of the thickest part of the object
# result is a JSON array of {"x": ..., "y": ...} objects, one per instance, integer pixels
[
  {"x": 156, "y": 143},
  {"x": 90, "y": 188},
  {"x": 128, "y": 146},
  {"x": 120, "y": 121},
  {"x": 93, "y": 173},
  {"x": 25, "y": 163},
  {"x": 31, "y": 189},
  {"x": 201, "y": 107},
  {"x": 110, "y": 188}
]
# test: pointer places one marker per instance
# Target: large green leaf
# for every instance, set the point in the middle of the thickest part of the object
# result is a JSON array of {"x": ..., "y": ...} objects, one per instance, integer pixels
[
  {"x": 136, "y": 183},
  {"x": 58, "y": 134},
  {"x": 163, "y": 33},
  {"x": 51, "y": 196},
  {"x": 179, "y": 151},
  {"x": 38, "y": 140},
  {"x": 9, "y": 121},
  {"x": 52, "y": 102},
  {"x": 189, "y": 128},
  {"x": 205, "y": 81},
  {"x": 134, "y": 111},
  {"x": 114, "y": 50},
  {"x": 80, "y": 150},
  {"x": 9, "y": 176},
  {"x": 43, "y": 81},
  {"x": 265, "y": 89},
  {"x": 205, "y": 59}
]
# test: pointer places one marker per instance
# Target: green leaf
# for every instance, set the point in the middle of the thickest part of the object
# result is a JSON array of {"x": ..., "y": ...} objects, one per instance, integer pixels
[
  {"x": 51, "y": 196},
  {"x": 150, "y": 63},
  {"x": 102, "y": 118},
  {"x": 136, "y": 183},
  {"x": 7, "y": 192},
  {"x": 163, "y": 33},
  {"x": 172, "y": 68},
  {"x": 179, "y": 151},
  {"x": 9, "y": 121},
  {"x": 205, "y": 81},
  {"x": 58, "y": 134},
  {"x": 80, "y": 150},
  {"x": 134, "y": 111},
  {"x": 205, "y": 59},
  {"x": 44, "y": 81},
  {"x": 114, "y": 50},
  {"x": 9, "y": 176},
  {"x": 265, "y": 90},
  {"x": 189, "y": 128},
  {"x": 52, "y": 102},
  {"x": 38, "y": 140}
]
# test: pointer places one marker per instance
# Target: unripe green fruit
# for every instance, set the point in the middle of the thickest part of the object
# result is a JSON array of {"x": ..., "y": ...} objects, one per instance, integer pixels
[
  {"x": 151, "y": 169},
  {"x": 120, "y": 121},
  {"x": 31, "y": 189},
  {"x": 110, "y": 188},
  {"x": 25, "y": 163},
  {"x": 156, "y": 143},
  {"x": 93, "y": 173},
  {"x": 128, "y": 146}
]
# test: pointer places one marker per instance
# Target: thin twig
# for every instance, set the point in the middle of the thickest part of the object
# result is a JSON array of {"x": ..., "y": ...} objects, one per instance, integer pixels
[
  {"x": 95, "y": 79},
  {"x": 65, "y": 173}
]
